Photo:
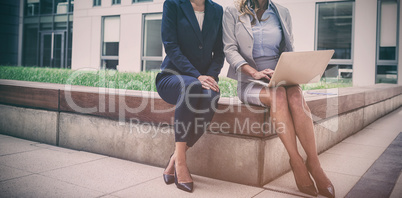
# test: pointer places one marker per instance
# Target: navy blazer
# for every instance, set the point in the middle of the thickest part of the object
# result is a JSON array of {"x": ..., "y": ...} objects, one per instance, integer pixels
[{"x": 190, "y": 51}]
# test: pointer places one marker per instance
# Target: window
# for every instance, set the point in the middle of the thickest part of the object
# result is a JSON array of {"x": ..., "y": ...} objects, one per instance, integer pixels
[
  {"x": 387, "y": 39},
  {"x": 110, "y": 42},
  {"x": 30, "y": 48},
  {"x": 60, "y": 6},
  {"x": 334, "y": 30},
  {"x": 71, "y": 9},
  {"x": 32, "y": 8},
  {"x": 152, "y": 48},
  {"x": 97, "y": 2},
  {"x": 116, "y": 2},
  {"x": 46, "y": 6},
  {"x": 139, "y": 1}
]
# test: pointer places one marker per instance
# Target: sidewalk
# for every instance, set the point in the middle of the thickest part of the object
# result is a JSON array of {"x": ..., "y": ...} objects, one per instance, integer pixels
[{"x": 31, "y": 169}]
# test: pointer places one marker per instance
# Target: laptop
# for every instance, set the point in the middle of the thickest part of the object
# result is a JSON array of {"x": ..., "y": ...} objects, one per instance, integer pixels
[{"x": 295, "y": 68}]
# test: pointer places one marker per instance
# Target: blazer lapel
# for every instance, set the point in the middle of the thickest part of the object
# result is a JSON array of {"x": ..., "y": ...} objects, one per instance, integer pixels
[
  {"x": 208, "y": 18},
  {"x": 189, "y": 12},
  {"x": 245, "y": 20},
  {"x": 284, "y": 25}
]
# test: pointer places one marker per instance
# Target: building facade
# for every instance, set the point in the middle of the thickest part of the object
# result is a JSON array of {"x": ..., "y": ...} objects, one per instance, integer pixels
[
  {"x": 125, "y": 35},
  {"x": 9, "y": 31}
]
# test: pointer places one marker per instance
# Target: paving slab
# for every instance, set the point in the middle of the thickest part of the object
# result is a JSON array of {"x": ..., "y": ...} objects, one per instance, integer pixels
[
  {"x": 40, "y": 186},
  {"x": 41, "y": 160},
  {"x": 10, "y": 145},
  {"x": 356, "y": 150},
  {"x": 345, "y": 164},
  {"x": 203, "y": 187},
  {"x": 348, "y": 161},
  {"x": 7, "y": 173},
  {"x": 371, "y": 137},
  {"x": 382, "y": 176},
  {"x": 106, "y": 175},
  {"x": 342, "y": 183},
  {"x": 4, "y": 136},
  {"x": 274, "y": 194}
]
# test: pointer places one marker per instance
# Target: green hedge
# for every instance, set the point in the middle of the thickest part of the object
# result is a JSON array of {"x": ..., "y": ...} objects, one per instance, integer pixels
[{"x": 144, "y": 81}]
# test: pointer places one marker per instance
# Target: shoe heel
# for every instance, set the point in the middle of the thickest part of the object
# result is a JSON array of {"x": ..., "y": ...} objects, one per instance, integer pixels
[
  {"x": 169, "y": 179},
  {"x": 188, "y": 187}
]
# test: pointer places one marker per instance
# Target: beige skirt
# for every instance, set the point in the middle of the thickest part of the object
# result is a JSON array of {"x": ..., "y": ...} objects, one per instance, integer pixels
[{"x": 249, "y": 92}]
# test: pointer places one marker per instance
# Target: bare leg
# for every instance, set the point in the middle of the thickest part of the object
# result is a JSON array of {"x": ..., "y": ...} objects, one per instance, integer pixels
[
  {"x": 183, "y": 175},
  {"x": 305, "y": 132},
  {"x": 302, "y": 121},
  {"x": 276, "y": 98},
  {"x": 170, "y": 168}
]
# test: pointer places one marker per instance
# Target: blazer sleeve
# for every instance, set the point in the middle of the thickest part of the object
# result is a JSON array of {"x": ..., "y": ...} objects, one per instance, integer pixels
[
  {"x": 219, "y": 56},
  {"x": 231, "y": 47},
  {"x": 290, "y": 28},
  {"x": 169, "y": 39}
]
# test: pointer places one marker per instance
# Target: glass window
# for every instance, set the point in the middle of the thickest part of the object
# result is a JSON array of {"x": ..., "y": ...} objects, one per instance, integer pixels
[
  {"x": 30, "y": 48},
  {"x": 46, "y": 6},
  {"x": 32, "y": 8},
  {"x": 71, "y": 9},
  {"x": 60, "y": 6},
  {"x": 388, "y": 30},
  {"x": 152, "y": 43},
  {"x": 387, "y": 41},
  {"x": 115, "y": 2},
  {"x": 110, "y": 42},
  {"x": 139, "y": 1},
  {"x": 334, "y": 28},
  {"x": 97, "y": 2}
]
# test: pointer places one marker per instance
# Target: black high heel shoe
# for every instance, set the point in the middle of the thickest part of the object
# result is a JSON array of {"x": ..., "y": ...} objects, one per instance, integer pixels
[
  {"x": 188, "y": 187},
  {"x": 310, "y": 189},
  {"x": 328, "y": 191},
  {"x": 169, "y": 179}
]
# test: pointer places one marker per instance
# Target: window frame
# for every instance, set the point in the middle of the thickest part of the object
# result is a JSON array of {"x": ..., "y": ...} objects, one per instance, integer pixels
[
  {"x": 380, "y": 62},
  {"x": 141, "y": 1},
  {"x": 102, "y": 57},
  {"x": 114, "y": 2},
  {"x": 149, "y": 58},
  {"x": 337, "y": 61},
  {"x": 97, "y": 3}
]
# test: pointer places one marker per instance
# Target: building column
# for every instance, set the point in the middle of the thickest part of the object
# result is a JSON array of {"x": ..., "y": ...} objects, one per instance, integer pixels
[
  {"x": 400, "y": 46},
  {"x": 365, "y": 28},
  {"x": 20, "y": 32}
]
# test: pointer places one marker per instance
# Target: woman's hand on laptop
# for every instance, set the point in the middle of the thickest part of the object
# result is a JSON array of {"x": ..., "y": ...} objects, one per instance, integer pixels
[
  {"x": 257, "y": 75},
  {"x": 265, "y": 74}
]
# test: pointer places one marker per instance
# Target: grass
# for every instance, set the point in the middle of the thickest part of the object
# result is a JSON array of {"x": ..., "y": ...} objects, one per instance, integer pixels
[{"x": 143, "y": 81}]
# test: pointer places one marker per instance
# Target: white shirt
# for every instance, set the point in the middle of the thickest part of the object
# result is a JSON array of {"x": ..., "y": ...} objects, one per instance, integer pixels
[{"x": 200, "y": 18}]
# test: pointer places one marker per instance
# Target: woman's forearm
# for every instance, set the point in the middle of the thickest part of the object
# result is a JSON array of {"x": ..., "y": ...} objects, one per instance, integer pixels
[{"x": 247, "y": 69}]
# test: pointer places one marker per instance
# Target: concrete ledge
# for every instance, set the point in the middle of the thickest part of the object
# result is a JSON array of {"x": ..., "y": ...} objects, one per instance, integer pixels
[
  {"x": 106, "y": 127},
  {"x": 31, "y": 124}
]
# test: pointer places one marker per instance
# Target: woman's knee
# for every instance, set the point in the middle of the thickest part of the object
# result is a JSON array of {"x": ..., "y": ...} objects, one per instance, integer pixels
[
  {"x": 295, "y": 96},
  {"x": 280, "y": 97}
]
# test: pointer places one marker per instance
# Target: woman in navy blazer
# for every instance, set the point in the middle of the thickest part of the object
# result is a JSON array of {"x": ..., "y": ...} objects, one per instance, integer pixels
[{"x": 192, "y": 37}]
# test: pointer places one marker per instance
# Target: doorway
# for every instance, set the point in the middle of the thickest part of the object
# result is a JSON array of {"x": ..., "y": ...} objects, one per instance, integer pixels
[{"x": 52, "y": 49}]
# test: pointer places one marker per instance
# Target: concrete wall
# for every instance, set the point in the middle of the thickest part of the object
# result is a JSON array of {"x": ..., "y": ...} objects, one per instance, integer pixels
[{"x": 364, "y": 62}]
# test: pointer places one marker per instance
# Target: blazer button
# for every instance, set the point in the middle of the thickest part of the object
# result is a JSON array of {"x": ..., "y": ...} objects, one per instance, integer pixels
[{"x": 200, "y": 46}]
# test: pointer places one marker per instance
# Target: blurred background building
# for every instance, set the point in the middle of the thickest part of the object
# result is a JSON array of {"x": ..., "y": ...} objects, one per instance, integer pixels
[{"x": 125, "y": 35}]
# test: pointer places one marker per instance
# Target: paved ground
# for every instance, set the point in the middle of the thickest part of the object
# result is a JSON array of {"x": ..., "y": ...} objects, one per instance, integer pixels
[{"x": 31, "y": 169}]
